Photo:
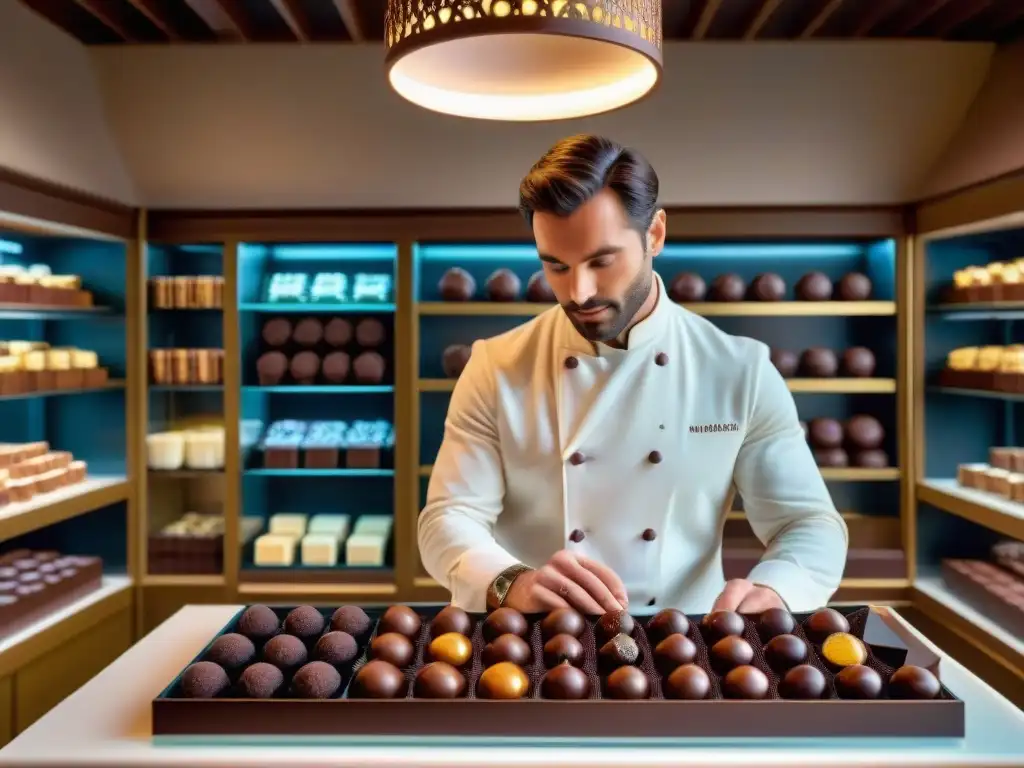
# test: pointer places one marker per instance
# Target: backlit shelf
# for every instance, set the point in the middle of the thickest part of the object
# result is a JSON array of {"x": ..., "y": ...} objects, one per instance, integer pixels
[
  {"x": 9, "y": 311},
  {"x": 707, "y": 309},
  {"x": 314, "y": 308},
  {"x": 46, "y": 509},
  {"x": 988, "y": 310},
  {"x": 985, "y": 509},
  {"x": 820, "y": 386},
  {"x": 327, "y": 389},
  {"x": 984, "y": 393},
  {"x": 186, "y": 387},
  {"x": 185, "y": 474},
  {"x": 262, "y": 472},
  {"x": 111, "y": 384},
  {"x": 837, "y": 474}
]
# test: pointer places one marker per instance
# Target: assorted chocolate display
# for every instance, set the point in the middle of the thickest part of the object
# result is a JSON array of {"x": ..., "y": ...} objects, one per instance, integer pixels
[
  {"x": 1003, "y": 475},
  {"x": 501, "y": 285},
  {"x": 36, "y": 286},
  {"x": 328, "y": 288},
  {"x": 194, "y": 544},
  {"x": 34, "y": 584},
  {"x": 855, "y": 442},
  {"x": 35, "y": 366},
  {"x": 186, "y": 366},
  {"x": 994, "y": 588},
  {"x": 340, "y": 350},
  {"x": 31, "y": 470},
  {"x": 324, "y": 541},
  {"x": 289, "y": 444},
  {"x": 690, "y": 288},
  {"x": 998, "y": 281},
  {"x": 994, "y": 368},
  {"x": 187, "y": 292},
  {"x": 824, "y": 363}
]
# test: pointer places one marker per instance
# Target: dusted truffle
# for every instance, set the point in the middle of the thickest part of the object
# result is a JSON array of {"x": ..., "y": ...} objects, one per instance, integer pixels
[
  {"x": 719, "y": 624},
  {"x": 504, "y": 680},
  {"x": 621, "y": 649},
  {"x": 369, "y": 368},
  {"x": 277, "y": 332},
  {"x": 627, "y": 683},
  {"x": 784, "y": 652},
  {"x": 687, "y": 287},
  {"x": 802, "y": 682},
  {"x": 825, "y": 433},
  {"x": 507, "y": 647},
  {"x": 370, "y": 333},
  {"x": 745, "y": 682},
  {"x": 538, "y": 290},
  {"x": 452, "y": 647},
  {"x": 858, "y": 363},
  {"x": 562, "y": 649},
  {"x": 351, "y": 619},
  {"x": 336, "y": 648},
  {"x": 858, "y": 682},
  {"x": 304, "y": 367},
  {"x": 823, "y": 623},
  {"x": 562, "y": 621},
  {"x": 774, "y": 622},
  {"x": 565, "y": 682},
  {"x": 450, "y": 619},
  {"x": 231, "y": 651},
  {"x": 308, "y": 332},
  {"x": 504, "y": 621},
  {"x": 667, "y": 622},
  {"x": 316, "y": 680},
  {"x": 457, "y": 285},
  {"x": 674, "y": 651},
  {"x": 285, "y": 652},
  {"x": 305, "y": 622},
  {"x": 831, "y": 457},
  {"x": 258, "y": 622},
  {"x": 873, "y": 459},
  {"x": 864, "y": 432},
  {"x": 392, "y": 647},
  {"x": 687, "y": 682},
  {"x": 454, "y": 359},
  {"x": 728, "y": 287},
  {"x": 767, "y": 287},
  {"x": 338, "y": 332},
  {"x": 814, "y": 286},
  {"x": 853, "y": 286},
  {"x": 503, "y": 285},
  {"x": 336, "y": 367},
  {"x": 910, "y": 682},
  {"x": 401, "y": 619},
  {"x": 613, "y": 623},
  {"x": 785, "y": 362},
  {"x": 271, "y": 368},
  {"x": 203, "y": 680},
  {"x": 260, "y": 681},
  {"x": 730, "y": 652},
  {"x": 819, "y": 363},
  {"x": 439, "y": 680},
  {"x": 378, "y": 680}
]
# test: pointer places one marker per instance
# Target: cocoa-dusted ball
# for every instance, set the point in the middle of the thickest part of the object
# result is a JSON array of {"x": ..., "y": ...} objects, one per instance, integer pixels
[
  {"x": 336, "y": 648},
  {"x": 203, "y": 680},
  {"x": 305, "y": 366},
  {"x": 819, "y": 363},
  {"x": 858, "y": 363},
  {"x": 728, "y": 287},
  {"x": 825, "y": 433},
  {"x": 786, "y": 362},
  {"x": 369, "y": 368},
  {"x": 258, "y": 622},
  {"x": 538, "y": 289},
  {"x": 864, "y": 432},
  {"x": 351, "y": 619},
  {"x": 231, "y": 651},
  {"x": 316, "y": 680},
  {"x": 285, "y": 652},
  {"x": 260, "y": 681},
  {"x": 832, "y": 458},
  {"x": 503, "y": 285},
  {"x": 305, "y": 622},
  {"x": 308, "y": 332},
  {"x": 853, "y": 286},
  {"x": 457, "y": 285},
  {"x": 277, "y": 332},
  {"x": 767, "y": 286},
  {"x": 336, "y": 367},
  {"x": 814, "y": 286},
  {"x": 454, "y": 359},
  {"x": 370, "y": 332},
  {"x": 687, "y": 287},
  {"x": 338, "y": 332},
  {"x": 871, "y": 459}
]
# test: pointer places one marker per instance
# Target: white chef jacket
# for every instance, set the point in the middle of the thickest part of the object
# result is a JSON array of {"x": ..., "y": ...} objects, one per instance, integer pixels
[{"x": 631, "y": 457}]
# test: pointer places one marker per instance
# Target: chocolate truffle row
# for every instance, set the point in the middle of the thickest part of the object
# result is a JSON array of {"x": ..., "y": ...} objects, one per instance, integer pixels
[
  {"x": 690, "y": 287},
  {"x": 334, "y": 333},
  {"x": 824, "y": 363},
  {"x": 308, "y": 368},
  {"x": 856, "y": 442}
]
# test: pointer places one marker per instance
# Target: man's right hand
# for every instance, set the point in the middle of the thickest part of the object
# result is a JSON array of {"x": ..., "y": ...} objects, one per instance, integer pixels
[{"x": 566, "y": 580}]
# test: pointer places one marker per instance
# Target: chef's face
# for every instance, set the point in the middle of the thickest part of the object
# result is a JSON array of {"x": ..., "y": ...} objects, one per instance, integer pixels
[{"x": 598, "y": 265}]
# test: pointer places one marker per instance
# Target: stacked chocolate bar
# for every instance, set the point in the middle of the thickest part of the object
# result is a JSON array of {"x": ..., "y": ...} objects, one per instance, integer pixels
[{"x": 34, "y": 584}]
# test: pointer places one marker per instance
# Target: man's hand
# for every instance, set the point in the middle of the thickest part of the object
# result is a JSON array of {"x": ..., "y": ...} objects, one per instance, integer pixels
[
  {"x": 744, "y": 596},
  {"x": 565, "y": 580}
]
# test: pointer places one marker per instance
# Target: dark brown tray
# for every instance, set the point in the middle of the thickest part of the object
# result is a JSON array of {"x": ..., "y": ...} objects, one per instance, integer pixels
[{"x": 533, "y": 717}]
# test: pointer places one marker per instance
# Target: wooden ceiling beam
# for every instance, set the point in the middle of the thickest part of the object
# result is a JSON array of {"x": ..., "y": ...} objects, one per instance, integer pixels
[
  {"x": 295, "y": 17},
  {"x": 151, "y": 10},
  {"x": 820, "y": 19},
  {"x": 104, "y": 13},
  {"x": 350, "y": 18},
  {"x": 768, "y": 7},
  {"x": 879, "y": 10},
  {"x": 707, "y": 15},
  {"x": 232, "y": 16},
  {"x": 961, "y": 14},
  {"x": 922, "y": 11}
]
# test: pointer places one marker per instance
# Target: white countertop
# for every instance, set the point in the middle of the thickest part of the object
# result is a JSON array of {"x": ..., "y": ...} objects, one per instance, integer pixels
[{"x": 107, "y": 723}]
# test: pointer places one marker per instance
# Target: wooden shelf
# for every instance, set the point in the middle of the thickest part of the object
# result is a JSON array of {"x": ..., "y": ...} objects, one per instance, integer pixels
[
  {"x": 844, "y": 474},
  {"x": 185, "y": 474},
  {"x": 991, "y": 394},
  {"x": 291, "y": 590},
  {"x": 11, "y": 311},
  {"x": 183, "y": 580},
  {"x": 982, "y": 310},
  {"x": 823, "y": 386},
  {"x": 48, "y": 508},
  {"x": 111, "y": 384},
  {"x": 707, "y": 309},
  {"x": 340, "y": 472},
  {"x": 986, "y": 509},
  {"x": 324, "y": 389}
]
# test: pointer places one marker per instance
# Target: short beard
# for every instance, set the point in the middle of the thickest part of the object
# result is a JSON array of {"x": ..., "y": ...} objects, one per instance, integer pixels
[{"x": 632, "y": 301}]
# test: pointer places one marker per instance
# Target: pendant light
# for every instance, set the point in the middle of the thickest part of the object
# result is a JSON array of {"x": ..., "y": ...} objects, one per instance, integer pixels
[{"x": 523, "y": 60}]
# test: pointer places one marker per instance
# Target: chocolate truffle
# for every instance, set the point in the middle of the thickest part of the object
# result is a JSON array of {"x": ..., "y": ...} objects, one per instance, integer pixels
[
  {"x": 674, "y": 651},
  {"x": 351, "y": 619},
  {"x": 336, "y": 648},
  {"x": 825, "y": 433},
  {"x": 450, "y": 619},
  {"x": 873, "y": 459},
  {"x": 271, "y": 368},
  {"x": 784, "y": 652},
  {"x": 853, "y": 286},
  {"x": 231, "y": 651},
  {"x": 767, "y": 287},
  {"x": 864, "y": 432},
  {"x": 277, "y": 332},
  {"x": 503, "y": 285},
  {"x": 438, "y": 680},
  {"x": 823, "y": 623},
  {"x": 745, "y": 682},
  {"x": 831, "y": 457},
  {"x": 730, "y": 652},
  {"x": 858, "y": 363},
  {"x": 785, "y": 362},
  {"x": 260, "y": 681},
  {"x": 627, "y": 683},
  {"x": 728, "y": 287},
  {"x": 285, "y": 652},
  {"x": 538, "y": 290},
  {"x": 401, "y": 619},
  {"x": 504, "y": 621},
  {"x": 819, "y": 363},
  {"x": 503, "y": 680},
  {"x": 667, "y": 622},
  {"x": 258, "y": 622},
  {"x": 687, "y": 287},
  {"x": 562, "y": 621},
  {"x": 369, "y": 368},
  {"x": 316, "y": 680},
  {"x": 370, "y": 333},
  {"x": 378, "y": 680},
  {"x": 565, "y": 682},
  {"x": 842, "y": 649},
  {"x": 613, "y": 623},
  {"x": 454, "y": 359},
  {"x": 910, "y": 682},
  {"x": 775, "y": 622},
  {"x": 621, "y": 649},
  {"x": 802, "y": 682},
  {"x": 338, "y": 332},
  {"x": 507, "y": 647},
  {"x": 203, "y": 680},
  {"x": 858, "y": 682},
  {"x": 687, "y": 682},
  {"x": 336, "y": 367},
  {"x": 456, "y": 285},
  {"x": 719, "y": 624},
  {"x": 814, "y": 286},
  {"x": 561, "y": 649},
  {"x": 452, "y": 648},
  {"x": 392, "y": 647},
  {"x": 304, "y": 367},
  {"x": 305, "y": 622},
  {"x": 308, "y": 332}
]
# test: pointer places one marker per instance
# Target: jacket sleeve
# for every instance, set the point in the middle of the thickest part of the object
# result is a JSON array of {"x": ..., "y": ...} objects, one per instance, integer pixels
[
  {"x": 466, "y": 492},
  {"x": 786, "y": 500}
]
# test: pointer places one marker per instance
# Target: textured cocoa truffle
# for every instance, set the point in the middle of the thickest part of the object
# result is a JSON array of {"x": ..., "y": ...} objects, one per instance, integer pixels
[
  {"x": 285, "y": 652},
  {"x": 369, "y": 368},
  {"x": 621, "y": 649},
  {"x": 370, "y": 333},
  {"x": 258, "y": 622},
  {"x": 336, "y": 367},
  {"x": 277, "y": 332},
  {"x": 503, "y": 285},
  {"x": 454, "y": 359},
  {"x": 854, "y": 286},
  {"x": 305, "y": 366},
  {"x": 231, "y": 651},
  {"x": 864, "y": 432},
  {"x": 728, "y": 287},
  {"x": 858, "y": 362},
  {"x": 260, "y": 681},
  {"x": 351, "y": 619},
  {"x": 538, "y": 289},
  {"x": 785, "y": 362},
  {"x": 819, "y": 363},
  {"x": 825, "y": 433},
  {"x": 203, "y": 680},
  {"x": 767, "y": 286},
  {"x": 833, "y": 458},
  {"x": 308, "y": 332},
  {"x": 687, "y": 287},
  {"x": 456, "y": 285},
  {"x": 871, "y": 459},
  {"x": 271, "y": 368},
  {"x": 316, "y": 680},
  {"x": 338, "y": 332},
  {"x": 336, "y": 648},
  {"x": 814, "y": 286},
  {"x": 305, "y": 622}
]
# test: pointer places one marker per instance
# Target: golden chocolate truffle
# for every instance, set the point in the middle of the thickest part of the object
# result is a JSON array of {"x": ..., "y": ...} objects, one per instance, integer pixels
[
  {"x": 504, "y": 680},
  {"x": 451, "y": 648},
  {"x": 843, "y": 650}
]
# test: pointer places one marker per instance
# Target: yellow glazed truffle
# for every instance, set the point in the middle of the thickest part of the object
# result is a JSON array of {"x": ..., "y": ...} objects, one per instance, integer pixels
[{"x": 843, "y": 650}]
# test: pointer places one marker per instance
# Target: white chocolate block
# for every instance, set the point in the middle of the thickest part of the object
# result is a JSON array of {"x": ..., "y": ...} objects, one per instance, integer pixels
[
  {"x": 379, "y": 524},
  {"x": 288, "y": 525},
  {"x": 335, "y": 525},
  {"x": 366, "y": 549},
  {"x": 320, "y": 549},
  {"x": 274, "y": 549}
]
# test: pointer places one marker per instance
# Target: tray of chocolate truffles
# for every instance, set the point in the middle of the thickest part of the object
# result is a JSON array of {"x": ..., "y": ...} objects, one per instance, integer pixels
[
  {"x": 993, "y": 587},
  {"x": 186, "y": 366},
  {"x": 994, "y": 368},
  {"x": 824, "y": 363},
  {"x": 690, "y": 288},
  {"x": 1002, "y": 476},
  {"x": 995, "y": 282},
  {"x": 442, "y": 672},
  {"x": 855, "y": 442},
  {"x": 359, "y": 444},
  {"x": 187, "y": 292},
  {"x": 28, "y": 470},
  {"x": 328, "y": 288},
  {"x": 35, "y": 583},
  {"x": 36, "y": 287},
  {"x": 501, "y": 285},
  {"x": 35, "y": 366}
]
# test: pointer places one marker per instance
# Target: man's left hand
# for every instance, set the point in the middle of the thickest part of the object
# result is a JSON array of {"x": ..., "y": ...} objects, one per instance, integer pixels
[{"x": 746, "y": 597}]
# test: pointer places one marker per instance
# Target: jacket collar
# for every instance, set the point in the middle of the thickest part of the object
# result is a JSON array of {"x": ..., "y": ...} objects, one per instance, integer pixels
[{"x": 640, "y": 335}]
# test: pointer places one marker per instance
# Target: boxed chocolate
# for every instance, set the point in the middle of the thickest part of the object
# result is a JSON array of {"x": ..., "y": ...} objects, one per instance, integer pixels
[
  {"x": 34, "y": 584},
  {"x": 996, "y": 592}
]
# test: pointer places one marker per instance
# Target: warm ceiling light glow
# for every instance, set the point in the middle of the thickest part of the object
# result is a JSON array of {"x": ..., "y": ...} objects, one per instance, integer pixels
[{"x": 523, "y": 60}]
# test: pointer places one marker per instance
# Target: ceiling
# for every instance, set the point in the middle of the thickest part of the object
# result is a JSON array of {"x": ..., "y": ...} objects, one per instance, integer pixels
[{"x": 119, "y": 22}]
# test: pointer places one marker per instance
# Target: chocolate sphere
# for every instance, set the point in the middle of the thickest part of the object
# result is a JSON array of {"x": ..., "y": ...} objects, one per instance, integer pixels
[
  {"x": 910, "y": 682},
  {"x": 454, "y": 359},
  {"x": 621, "y": 649},
  {"x": 379, "y": 680},
  {"x": 674, "y": 651},
  {"x": 825, "y": 433},
  {"x": 277, "y": 332},
  {"x": 814, "y": 286},
  {"x": 370, "y": 332},
  {"x": 719, "y": 624},
  {"x": 688, "y": 682},
  {"x": 823, "y": 623},
  {"x": 745, "y": 682},
  {"x": 785, "y": 362},
  {"x": 304, "y": 367},
  {"x": 853, "y": 286},
  {"x": 858, "y": 682},
  {"x": 305, "y": 622},
  {"x": 351, "y": 619},
  {"x": 336, "y": 367},
  {"x": 504, "y": 680},
  {"x": 439, "y": 680},
  {"x": 231, "y": 651},
  {"x": 260, "y": 681},
  {"x": 507, "y": 647},
  {"x": 784, "y": 652},
  {"x": 401, "y": 619},
  {"x": 775, "y": 622},
  {"x": 452, "y": 648},
  {"x": 538, "y": 290},
  {"x": 627, "y": 683},
  {"x": 802, "y": 682},
  {"x": 687, "y": 287},
  {"x": 369, "y": 368},
  {"x": 864, "y": 432},
  {"x": 767, "y": 287},
  {"x": 285, "y": 652},
  {"x": 613, "y": 623},
  {"x": 858, "y": 363},
  {"x": 451, "y": 619},
  {"x": 504, "y": 621},
  {"x": 565, "y": 682},
  {"x": 336, "y": 648},
  {"x": 392, "y": 647},
  {"x": 819, "y": 363},
  {"x": 203, "y": 680},
  {"x": 308, "y": 332},
  {"x": 831, "y": 457},
  {"x": 503, "y": 285},
  {"x": 730, "y": 652},
  {"x": 456, "y": 285},
  {"x": 873, "y": 459},
  {"x": 258, "y": 622},
  {"x": 667, "y": 622},
  {"x": 338, "y": 332},
  {"x": 561, "y": 649},
  {"x": 316, "y": 680},
  {"x": 728, "y": 287},
  {"x": 562, "y": 621}
]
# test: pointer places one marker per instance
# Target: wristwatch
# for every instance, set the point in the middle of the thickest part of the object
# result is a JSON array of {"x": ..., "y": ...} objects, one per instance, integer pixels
[{"x": 502, "y": 583}]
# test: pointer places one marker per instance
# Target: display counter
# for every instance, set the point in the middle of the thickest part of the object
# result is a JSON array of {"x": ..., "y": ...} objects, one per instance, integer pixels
[{"x": 108, "y": 722}]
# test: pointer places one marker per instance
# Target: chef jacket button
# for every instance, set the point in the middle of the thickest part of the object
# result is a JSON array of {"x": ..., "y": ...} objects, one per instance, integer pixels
[
  {"x": 576, "y": 459},
  {"x": 661, "y": 358},
  {"x": 571, "y": 362},
  {"x": 654, "y": 457},
  {"x": 577, "y": 536},
  {"x": 652, "y": 601},
  {"x": 649, "y": 535}
]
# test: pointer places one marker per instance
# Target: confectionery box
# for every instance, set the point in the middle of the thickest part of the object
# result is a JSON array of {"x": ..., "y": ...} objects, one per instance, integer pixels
[{"x": 440, "y": 672}]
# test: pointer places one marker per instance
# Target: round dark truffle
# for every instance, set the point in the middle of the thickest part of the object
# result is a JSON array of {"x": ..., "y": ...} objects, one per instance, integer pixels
[
  {"x": 336, "y": 648},
  {"x": 454, "y": 359},
  {"x": 316, "y": 680},
  {"x": 304, "y": 367},
  {"x": 285, "y": 652},
  {"x": 401, "y": 619},
  {"x": 203, "y": 680},
  {"x": 450, "y": 619},
  {"x": 271, "y": 368},
  {"x": 814, "y": 286},
  {"x": 308, "y": 332},
  {"x": 369, "y": 368},
  {"x": 277, "y": 332},
  {"x": 745, "y": 682},
  {"x": 627, "y": 683},
  {"x": 370, "y": 332},
  {"x": 338, "y": 332},
  {"x": 730, "y": 652},
  {"x": 831, "y": 457},
  {"x": 873, "y": 459},
  {"x": 823, "y": 623},
  {"x": 503, "y": 285},
  {"x": 858, "y": 682},
  {"x": 538, "y": 289},
  {"x": 504, "y": 621},
  {"x": 858, "y": 363},
  {"x": 507, "y": 647},
  {"x": 621, "y": 649},
  {"x": 562, "y": 621},
  {"x": 438, "y": 680},
  {"x": 258, "y": 622},
  {"x": 728, "y": 287},
  {"x": 719, "y": 624},
  {"x": 786, "y": 363},
  {"x": 456, "y": 285},
  {"x": 910, "y": 682},
  {"x": 504, "y": 680},
  {"x": 336, "y": 367},
  {"x": 767, "y": 287},
  {"x": 775, "y": 622},
  {"x": 864, "y": 432},
  {"x": 231, "y": 651},
  {"x": 379, "y": 680},
  {"x": 687, "y": 287},
  {"x": 688, "y": 682},
  {"x": 562, "y": 649},
  {"x": 674, "y": 651},
  {"x": 613, "y": 623},
  {"x": 260, "y": 681},
  {"x": 667, "y": 622},
  {"x": 785, "y": 652},
  {"x": 819, "y": 363},
  {"x": 802, "y": 682},
  {"x": 565, "y": 682},
  {"x": 825, "y": 433},
  {"x": 853, "y": 286},
  {"x": 351, "y": 619},
  {"x": 305, "y": 622}
]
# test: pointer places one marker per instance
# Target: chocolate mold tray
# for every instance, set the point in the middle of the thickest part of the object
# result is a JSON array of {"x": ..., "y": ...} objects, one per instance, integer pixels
[{"x": 347, "y": 714}]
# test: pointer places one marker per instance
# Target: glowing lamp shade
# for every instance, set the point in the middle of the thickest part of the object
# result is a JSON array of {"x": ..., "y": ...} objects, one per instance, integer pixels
[{"x": 523, "y": 60}]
